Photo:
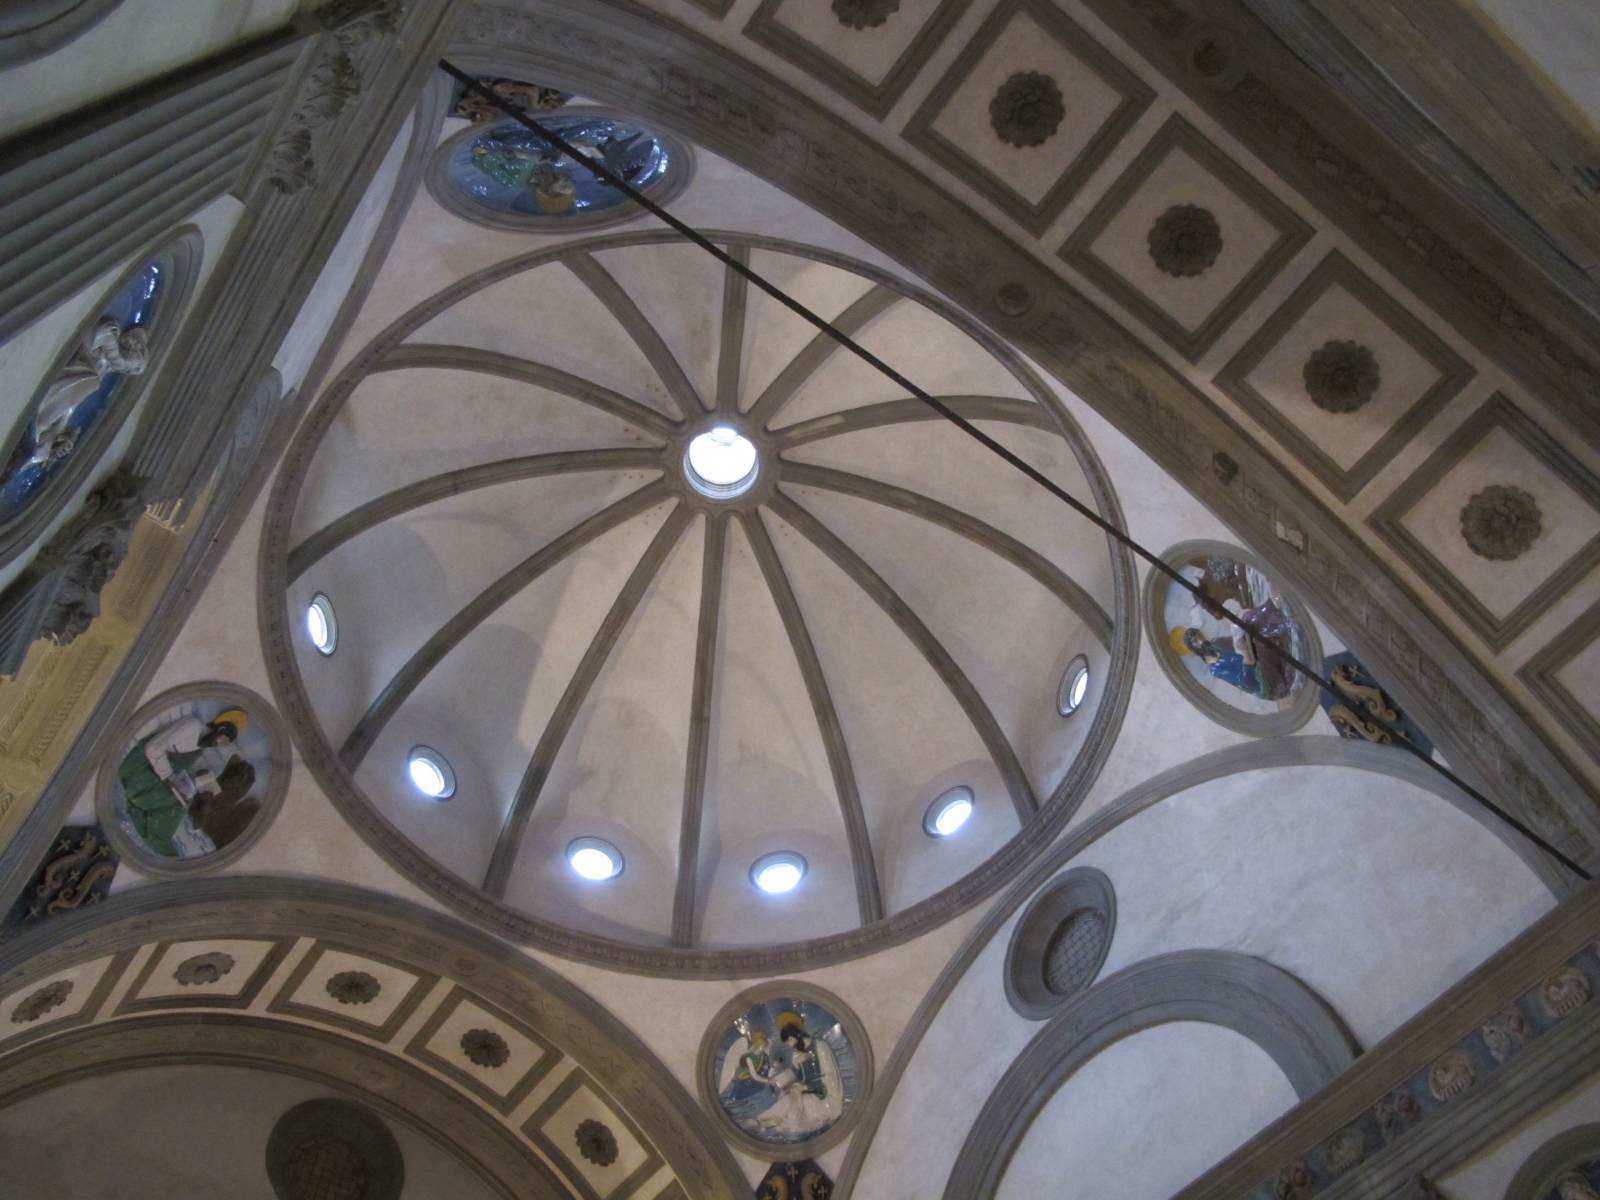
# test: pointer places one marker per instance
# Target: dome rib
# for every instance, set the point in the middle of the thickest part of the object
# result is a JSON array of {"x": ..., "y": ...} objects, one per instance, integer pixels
[
  {"x": 476, "y": 611},
  {"x": 730, "y": 345},
  {"x": 944, "y": 665},
  {"x": 452, "y": 483},
  {"x": 875, "y": 301},
  {"x": 869, "y": 896},
  {"x": 526, "y": 370},
  {"x": 902, "y": 412},
  {"x": 509, "y": 843},
  {"x": 638, "y": 327},
  {"x": 996, "y": 541},
  {"x": 713, "y": 568}
]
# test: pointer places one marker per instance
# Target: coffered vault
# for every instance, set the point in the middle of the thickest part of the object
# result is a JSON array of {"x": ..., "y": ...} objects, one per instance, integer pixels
[{"x": 1201, "y": 933}]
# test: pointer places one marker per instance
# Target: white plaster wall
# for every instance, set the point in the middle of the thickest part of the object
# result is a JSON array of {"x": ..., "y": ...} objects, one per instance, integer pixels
[
  {"x": 140, "y": 40},
  {"x": 26, "y": 358},
  {"x": 1376, "y": 895},
  {"x": 1488, "y": 1173},
  {"x": 1144, "y": 1116},
  {"x": 167, "y": 1132}
]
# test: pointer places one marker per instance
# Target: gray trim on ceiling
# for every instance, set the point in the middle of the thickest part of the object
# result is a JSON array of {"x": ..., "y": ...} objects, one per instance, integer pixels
[
  {"x": 279, "y": 633},
  {"x": 900, "y": 412},
  {"x": 730, "y": 342},
  {"x": 1542, "y": 676},
  {"x": 1300, "y": 750},
  {"x": 643, "y": 334},
  {"x": 1250, "y": 996},
  {"x": 258, "y": 906},
  {"x": 860, "y": 313},
  {"x": 676, "y": 77}
]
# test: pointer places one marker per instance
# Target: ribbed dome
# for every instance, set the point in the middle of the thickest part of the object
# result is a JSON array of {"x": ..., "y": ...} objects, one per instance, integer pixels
[{"x": 790, "y": 636}]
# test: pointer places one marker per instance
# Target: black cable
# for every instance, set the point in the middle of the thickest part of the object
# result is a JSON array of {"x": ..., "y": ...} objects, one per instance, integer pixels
[{"x": 600, "y": 171}]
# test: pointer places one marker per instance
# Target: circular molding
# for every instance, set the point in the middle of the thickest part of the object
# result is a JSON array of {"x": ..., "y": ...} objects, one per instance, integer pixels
[
  {"x": 180, "y": 252},
  {"x": 1286, "y": 720},
  {"x": 279, "y": 762},
  {"x": 1569, "y": 1151},
  {"x": 705, "y": 1074},
  {"x": 323, "y": 607},
  {"x": 30, "y": 29},
  {"x": 279, "y": 628},
  {"x": 332, "y": 1149},
  {"x": 1075, "y": 670},
  {"x": 1079, "y": 893},
  {"x": 436, "y": 177}
]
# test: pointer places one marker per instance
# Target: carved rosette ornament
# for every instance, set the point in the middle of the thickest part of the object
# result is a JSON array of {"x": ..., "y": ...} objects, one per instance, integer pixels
[
  {"x": 51, "y": 995},
  {"x": 353, "y": 987},
  {"x": 1027, "y": 109},
  {"x": 203, "y": 969},
  {"x": 1293, "y": 1182},
  {"x": 596, "y": 1142},
  {"x": 1501, "y": 522},
  {"x": 1565, "y": 992},
  {"x": 1451, "y": 1075},
  {"x": 864, "y": 14},
  {"x": 1341, "y": 377},
  {"x": 1345, "y": 1150},
  {"x": 485, "y": 1048},
  {"x": 1185, "y": 241},
  {"x": 1395, "y": 1112},
  {"x": 1505, "y": 1034}
]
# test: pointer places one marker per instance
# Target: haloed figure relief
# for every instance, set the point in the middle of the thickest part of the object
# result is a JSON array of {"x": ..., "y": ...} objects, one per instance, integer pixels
[
  {"x": 1246, "y": 671},
  {"x": 785, "y": 1071}
]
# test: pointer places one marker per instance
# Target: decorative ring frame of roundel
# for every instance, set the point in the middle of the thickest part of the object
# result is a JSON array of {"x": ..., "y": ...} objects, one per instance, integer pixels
[
  {"x": 280, "y": 761},
  {"x": 705, "y": 1069},
  {"x": 279, "y": 628},
  {"x": 663, "y": 191},
  {"x": 356, "y": 1126},
  {"x": 1274, "y": 724},
  {"x": 180, "y": 252}
]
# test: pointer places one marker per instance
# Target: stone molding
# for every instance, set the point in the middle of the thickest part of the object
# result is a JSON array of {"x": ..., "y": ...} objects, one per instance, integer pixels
[
  {"x": 35, "y": 28},
  {"x": 280, "y": 763},
  {"x": 337, "y": 779},
  {"x": 1250, "y": 996},
  {"x": 1077, "y": 890},
  {"x": 243, "y": 906},
  {"x": 705, "y": 1067},
  {"x": 1298, "y": 750},
  {"x": 1497, "y": 1099},
  {"x": 1535, "y": 1178},
  {"x": 676, "y": 78}
]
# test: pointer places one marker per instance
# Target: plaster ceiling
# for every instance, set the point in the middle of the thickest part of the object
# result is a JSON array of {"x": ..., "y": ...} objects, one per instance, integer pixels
[{"x": 886, "y": 614}]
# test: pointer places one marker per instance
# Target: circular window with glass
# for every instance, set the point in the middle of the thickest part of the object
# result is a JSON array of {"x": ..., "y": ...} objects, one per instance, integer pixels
[
  {"x": 430, "y": 774},
  {"x": 322, "y": 627},
  {"x": 776, "y": 874},
  {"x": 949, "y": 812},
  {"x": 594, "y": 859},
  {"x": 721, "y": 463},
  {"x": 1074, "y": 686}
]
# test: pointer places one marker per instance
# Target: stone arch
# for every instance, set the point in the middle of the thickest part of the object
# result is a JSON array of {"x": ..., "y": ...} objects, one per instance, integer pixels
[
  {"x": 1570, "y": 1150},
  {"x": 1247, "y": 995},
  {"x": 97, "y": 986}
]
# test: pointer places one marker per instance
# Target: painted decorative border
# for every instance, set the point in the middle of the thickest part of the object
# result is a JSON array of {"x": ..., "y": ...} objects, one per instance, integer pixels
[
  {"x": 1387, "y": 521},
  {"x": 284, "y": 1002},
  {"x": 279, "y": 631},
  {"x": 1260, "y": 724},
  {"x": 1137, "y": 96},
  {"x": 179, "y": 252},
  {"x": 1541, "y": 675},
  {"x": 664, "y": 191},
  {"x": 281, "y": 763},
  {"x": 533, "y": 1129},
  {"x": 705, "y": 1072},
  {"x": 1077, "y": 889},
  {"x": 1176, "y": 134},
  {"x": 501, "y": 1102},
  {"x": 766, "y": 30},
  {"x": 1338, "y": 271},
  {"x": 1536, "y": 1178}
]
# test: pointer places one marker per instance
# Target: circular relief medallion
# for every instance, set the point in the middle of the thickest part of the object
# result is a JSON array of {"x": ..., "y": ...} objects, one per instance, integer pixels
[
  {"x": 1185, "y": 241},
  {"x": 786, "y": 1068},
  {"x": 334, "y": 1150},
  {"x": 504, "y": 175},
  {"x": 1238, "y": 680},
  {"x": 1060, "y": 942},
  {"x": 195, "y": 779}
]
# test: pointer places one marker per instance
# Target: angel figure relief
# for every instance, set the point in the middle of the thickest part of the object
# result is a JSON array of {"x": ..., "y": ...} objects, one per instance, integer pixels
[{"x": 785, "y": 1092}]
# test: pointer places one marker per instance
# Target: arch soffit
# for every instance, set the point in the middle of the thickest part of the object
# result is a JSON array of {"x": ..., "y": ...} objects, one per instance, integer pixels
[
  {"x": 105, "y": 949},
  {"x": 1537, "y": 1175},
  {"x": 389, "y": 351},
  {"x": 691, "y": 86},
  {"x": 1248, "y": 995},
  {"x": 1281, "y": 752}
]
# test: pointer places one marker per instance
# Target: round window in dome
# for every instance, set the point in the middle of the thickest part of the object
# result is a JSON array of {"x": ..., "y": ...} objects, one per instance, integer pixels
[
  {"x": 594, "y": 858},
  {"x": 322, "y": 627},
  {"x": 778, "y": 873},
  {"x": 1074, "y": 686},
  {"x": 721, "y": 463},
  {"x": 430, "y": 773},
  {"x": 949, "y": 811}
]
